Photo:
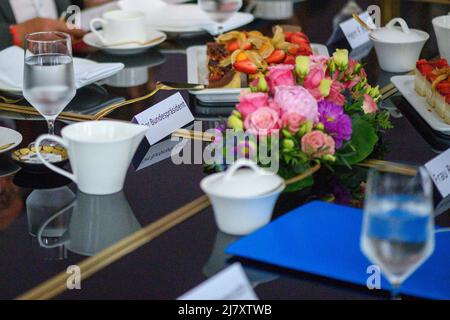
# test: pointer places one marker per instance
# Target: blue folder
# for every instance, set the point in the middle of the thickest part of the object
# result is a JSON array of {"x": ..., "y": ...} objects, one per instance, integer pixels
[{"x": 323, "y": 239}]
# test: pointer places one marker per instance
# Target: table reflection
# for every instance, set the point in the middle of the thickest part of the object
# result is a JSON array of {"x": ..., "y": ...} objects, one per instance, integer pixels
[{"x": 96, "y": 223}]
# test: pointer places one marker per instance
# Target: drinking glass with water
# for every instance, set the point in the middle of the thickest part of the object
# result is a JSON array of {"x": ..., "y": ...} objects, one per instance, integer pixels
[
  {"x": 49, "y": 82},
  {"x": 398, "y": 227},
  {"x": 220, "y": 10}
]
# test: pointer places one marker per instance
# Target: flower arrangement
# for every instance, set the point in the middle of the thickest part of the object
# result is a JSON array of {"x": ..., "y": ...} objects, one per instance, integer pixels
[{"x": 322, "y": 109}]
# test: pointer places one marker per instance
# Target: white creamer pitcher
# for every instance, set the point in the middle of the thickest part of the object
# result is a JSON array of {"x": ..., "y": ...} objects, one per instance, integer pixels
[{"x": 100, "y": 153}]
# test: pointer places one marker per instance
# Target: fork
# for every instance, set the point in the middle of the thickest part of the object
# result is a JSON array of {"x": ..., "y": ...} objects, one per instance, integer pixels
[{"x": 166, "y": 85}]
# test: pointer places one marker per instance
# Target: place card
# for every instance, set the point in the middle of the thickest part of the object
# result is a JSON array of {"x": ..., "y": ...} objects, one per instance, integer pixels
[
  {"x": 229, "y": 284},
  {"x": 156, "y": 153},
  {"x": 356, "y": 35},
  {"x": 165, "y": 117},
  {"x": 439, "y": 170}
]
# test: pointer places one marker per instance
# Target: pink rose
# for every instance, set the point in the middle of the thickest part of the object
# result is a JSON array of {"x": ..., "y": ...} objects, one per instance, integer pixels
[
  {"x": 249, "y": 102},
  {"x": 317, "y": 144},
  {"x": 296, "y": 99},
  {"x": 314, "y": 78},
  {"x": 280, "y": 75},
  {"x": 292, "y": 122},
  {"x": 262, "y": 121},
  {"x": 336, "y": 95},
  {"x": 369, "y": 105}
]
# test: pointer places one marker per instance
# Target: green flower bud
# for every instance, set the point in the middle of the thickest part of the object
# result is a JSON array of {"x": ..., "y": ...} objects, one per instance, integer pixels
[
  {"x": 332, "y": 66},
  {"x": 306, "y": 128},
  {"x": 236, "y": 114},
  {"x": 302, "y": 66},
  {"x": 325, "y": 87},
  {"x": 288, "y": 144},
  {"x": 286, "y": 133},
  {"x": 340, "y": 58},
  {"x": 320, "y": 126},
  {"x": 235, "y": 123},
  {"x": 262, "y": 84},
  {"x": 329, "y": 158}
]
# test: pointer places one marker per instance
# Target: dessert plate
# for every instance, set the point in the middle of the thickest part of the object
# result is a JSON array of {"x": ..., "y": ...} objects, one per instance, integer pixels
[
  {"x": 9, "y": 139},
  {"x": 405, "y": 85},
  {"x": 133, "y": 48},
  {"x": 198, "y": 73}
]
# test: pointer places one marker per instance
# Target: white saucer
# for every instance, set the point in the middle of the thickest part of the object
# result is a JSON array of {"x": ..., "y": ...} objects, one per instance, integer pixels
[
  {"x": 9, "y": 136},
  {"x": 92, "y": 40}
]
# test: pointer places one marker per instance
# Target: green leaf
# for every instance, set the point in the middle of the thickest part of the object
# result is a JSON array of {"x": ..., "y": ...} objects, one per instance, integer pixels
[{"x": 364, "y": 139}]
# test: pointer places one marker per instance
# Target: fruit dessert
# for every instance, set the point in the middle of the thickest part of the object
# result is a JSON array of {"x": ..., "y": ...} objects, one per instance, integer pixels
[
  {"x": 237, "y": 58},
  {"x": 432, "y": 81}
]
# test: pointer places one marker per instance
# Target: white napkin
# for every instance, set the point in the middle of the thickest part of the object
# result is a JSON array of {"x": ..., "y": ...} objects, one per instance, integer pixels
[
  {"x": 86, "y": 71},
  {"x": 168, "y": 17}
]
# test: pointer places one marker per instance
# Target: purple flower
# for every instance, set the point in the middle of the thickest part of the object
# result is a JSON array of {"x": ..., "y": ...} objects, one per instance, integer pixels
[{"x": 336, "y": 122}]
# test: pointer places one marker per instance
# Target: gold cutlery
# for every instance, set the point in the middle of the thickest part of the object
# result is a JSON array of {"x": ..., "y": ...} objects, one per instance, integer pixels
[
  {"x": 166, "y": 85},
  {"x": 6, "y": 146},
  {"x": 135, "y": 42},
  {"x": 9, "y": 100}
]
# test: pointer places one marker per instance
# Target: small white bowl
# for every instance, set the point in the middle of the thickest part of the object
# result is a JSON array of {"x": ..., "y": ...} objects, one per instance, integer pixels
[
  {"x": 398, "y": 48},
  {"x": 442, "y": 28},
  {"x": 242, "y": 200}
]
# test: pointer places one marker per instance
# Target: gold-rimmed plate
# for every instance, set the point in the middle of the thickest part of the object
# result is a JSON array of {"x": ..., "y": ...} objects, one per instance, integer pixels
[{"x": 28, "y": 159}]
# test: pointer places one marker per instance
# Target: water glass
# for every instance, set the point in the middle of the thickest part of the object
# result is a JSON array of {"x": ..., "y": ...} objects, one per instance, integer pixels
[
  {"x": 220, "y": 10},
  {"x": 48, "y": 80},
  {"x": 398, "y": 227}
]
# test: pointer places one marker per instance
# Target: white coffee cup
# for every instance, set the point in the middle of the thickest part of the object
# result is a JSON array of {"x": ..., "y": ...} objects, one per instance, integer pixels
[
  {"x": 120, "y": 26},
  {"x": 442, "y": 28},
  {"x": 100, "y": 153},
  {"x": 273, "y": 9}
]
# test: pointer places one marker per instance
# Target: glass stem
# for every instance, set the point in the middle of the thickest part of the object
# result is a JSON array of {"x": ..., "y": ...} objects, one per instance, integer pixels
[
  {"x": 395, "y": 292},
  {"x": 51, "y": 126}
]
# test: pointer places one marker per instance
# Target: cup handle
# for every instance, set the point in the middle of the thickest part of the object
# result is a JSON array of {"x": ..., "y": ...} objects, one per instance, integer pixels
[
  {"x": 401, "y": 22},
  {"x": 103, "y": 22},
  {"x": 62, "y": 172},
  {"x": 65, "y": 237},
  {"x": 243, "y": 163}
]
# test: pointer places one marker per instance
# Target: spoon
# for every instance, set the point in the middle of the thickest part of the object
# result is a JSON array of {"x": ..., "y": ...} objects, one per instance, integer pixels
[
  {"x": 362, "y": 23},
  {"x": 6, "y": 146}
]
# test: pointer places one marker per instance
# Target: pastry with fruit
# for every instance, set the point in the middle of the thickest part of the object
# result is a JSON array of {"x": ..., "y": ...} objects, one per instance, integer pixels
[
  {"x": 432, "y": 81},
  {"x": 238, "y": 57}
]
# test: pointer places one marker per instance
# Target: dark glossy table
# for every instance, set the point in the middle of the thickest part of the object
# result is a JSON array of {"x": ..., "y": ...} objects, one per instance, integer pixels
[{"x": 191, "y": 252}]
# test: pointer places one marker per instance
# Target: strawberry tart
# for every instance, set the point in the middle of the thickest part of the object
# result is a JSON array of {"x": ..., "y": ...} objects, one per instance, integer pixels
[{"x": 432, "y": 81}]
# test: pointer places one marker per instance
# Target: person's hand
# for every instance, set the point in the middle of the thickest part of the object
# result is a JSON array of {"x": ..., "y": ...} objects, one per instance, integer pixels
[{"x": 42, "y": 24}]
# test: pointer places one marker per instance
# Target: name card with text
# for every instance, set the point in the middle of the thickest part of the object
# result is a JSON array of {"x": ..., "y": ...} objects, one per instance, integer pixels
[
  {"x": 229, "y": 284},
  {"x": 165, "y": 117},
  {"x": 356, "y": 35},
  {"x": 439, "y": 170}
]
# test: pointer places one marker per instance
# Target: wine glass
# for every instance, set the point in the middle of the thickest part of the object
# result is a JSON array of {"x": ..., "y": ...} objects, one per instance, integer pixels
[
  {"x": 398, "y": 228},
  {"x": 220, "y": 10},
  {"x": 48, "y": 80}
]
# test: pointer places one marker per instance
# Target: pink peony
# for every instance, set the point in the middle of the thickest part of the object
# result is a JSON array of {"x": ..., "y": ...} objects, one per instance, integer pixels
[
  {"x": 292, "y": 122},
  {"x": 336, "y": 95},
  {"x": 296, "y": 99},
  {"x": 317, "y": 144},
  {"x": 314, "y": 77},
  {"x": 369, "y": 105},
  {"x": 262, "y": 121},
  {"x": 249, "y": 102},
  {"x": 280, "y": 75}
]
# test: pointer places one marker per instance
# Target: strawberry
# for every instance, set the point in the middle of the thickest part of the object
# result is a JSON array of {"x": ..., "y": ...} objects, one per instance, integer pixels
[
  {"x": 440, "y": 63},
  {"x": 302, "y": 36},
  {"x": 293, "y": 49},
  {"x": 425, "y": 68},
  {"x": 290, "y": 59},
  {"x": 447, "y": 99},
  {"x": 235, "y": 45},
  {"x": 444, "y": 88},
  {"x": 276, "y": 57},
  {"x": 299, "y": 40},
  {"x": 288, "y": 36},
  {"x": 246, "y": 66}
]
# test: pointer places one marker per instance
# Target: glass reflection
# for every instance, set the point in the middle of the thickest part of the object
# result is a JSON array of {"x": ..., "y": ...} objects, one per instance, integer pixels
[
  {"x": 218, "y": 260},
  {"x": 96, "y": 223}
]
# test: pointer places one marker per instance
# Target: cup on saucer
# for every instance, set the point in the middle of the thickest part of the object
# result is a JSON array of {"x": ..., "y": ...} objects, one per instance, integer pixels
[
  {"x": 120, "y": 26},
  {"x": 442, "y": 28}
]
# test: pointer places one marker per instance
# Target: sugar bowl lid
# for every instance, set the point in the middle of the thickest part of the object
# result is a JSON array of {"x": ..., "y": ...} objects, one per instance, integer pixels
[
  {"x": 244, "y": 179},
  {"x": 402, "y": 34}
]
